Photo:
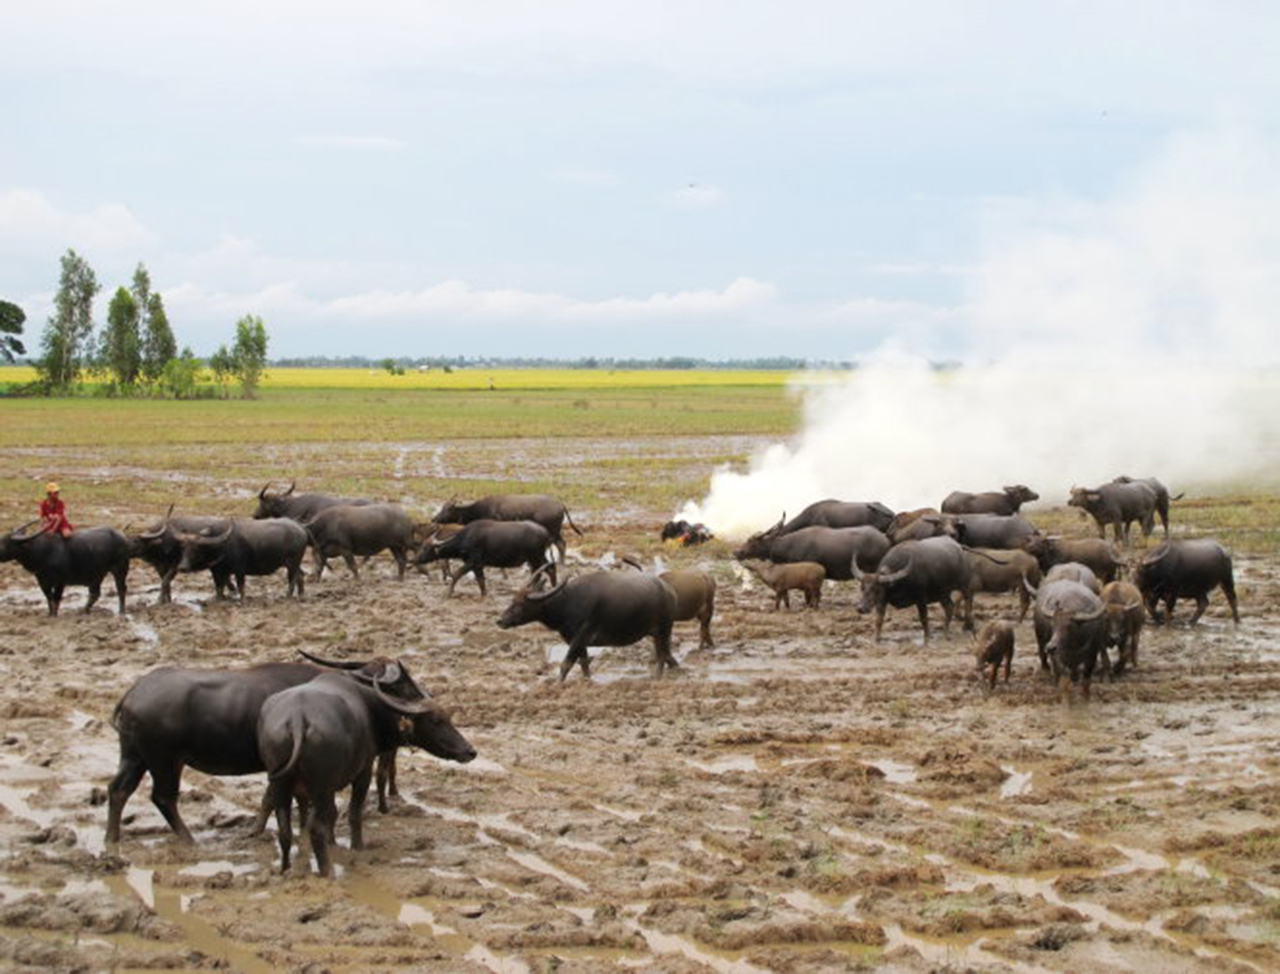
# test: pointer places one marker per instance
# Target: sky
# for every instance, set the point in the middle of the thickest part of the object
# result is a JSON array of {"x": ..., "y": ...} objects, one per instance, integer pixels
[{"x": 716, "y": 179}]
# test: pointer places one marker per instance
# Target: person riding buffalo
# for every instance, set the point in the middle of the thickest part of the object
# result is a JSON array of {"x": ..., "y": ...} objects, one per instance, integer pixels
[{"x": 53, "y": 513}]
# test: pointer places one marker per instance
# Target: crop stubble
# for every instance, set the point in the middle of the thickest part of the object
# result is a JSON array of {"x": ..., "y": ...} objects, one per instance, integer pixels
[{"x": 798, "y": 799}]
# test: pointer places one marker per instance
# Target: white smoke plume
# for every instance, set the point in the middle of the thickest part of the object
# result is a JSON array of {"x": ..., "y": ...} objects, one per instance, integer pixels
[{"x": 1134, "y": 336}]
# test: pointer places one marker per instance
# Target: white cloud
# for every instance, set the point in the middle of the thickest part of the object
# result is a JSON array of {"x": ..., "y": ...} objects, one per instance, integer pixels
[
  {"x": 696, "y": 196},
  {"x": 29, "y": 221},
  {"x": 587, "y": 177},
  {"x": 359, "y": 143}
]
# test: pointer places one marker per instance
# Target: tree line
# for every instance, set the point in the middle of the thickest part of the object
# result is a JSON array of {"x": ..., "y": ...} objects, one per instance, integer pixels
[{"x": 135, "y": 352}]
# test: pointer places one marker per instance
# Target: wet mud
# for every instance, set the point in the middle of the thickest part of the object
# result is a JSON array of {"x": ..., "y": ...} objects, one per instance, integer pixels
[{"x": 800, "y": 798}]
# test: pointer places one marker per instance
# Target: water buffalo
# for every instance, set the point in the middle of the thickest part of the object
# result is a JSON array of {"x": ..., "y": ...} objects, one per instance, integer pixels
[
  {"x": 85, "y": 558},
  {"x": 360, "y": 529},
  {"x": 492, "y": 544},
  {"x": 160, "y": 548},
  {"x": 299, "y": 507},
  {"x": 1074, "y": 571},
  {"x": 837, "y": 514},
  {"x": 321, "y": 736},
  {"x": 1000, "y": 570},
  {"x": 1118, "y": 505},
  {"x": 916, "y": 573},
  {"x": 1186, "y": 570},
  {"x": 173, "y": 717},
  {"x": 1071, "y": 629},
  {"x": 695, "y": 599},
  {"x": 835, "y": 549},
  {"x": 805, "y": 576},
  {"x": 249, "y": 548},
  {"x": 599, "y": 609},
  {"x": 539, "y": 508},
  {"x": 993, "y": 645},
  {"x": 992, "y": 530},
  {"x": 1162, "y": 496},
  {"x": 1124, "y": 621},
  {"x": 1005, "y": 501},
  {"x": 927, "y": 523},
  {"x": 1097, "y": 553}
]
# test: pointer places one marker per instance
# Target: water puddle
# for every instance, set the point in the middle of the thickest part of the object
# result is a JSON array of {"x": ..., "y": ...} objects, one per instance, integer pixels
[
  {"x": 145, "y": 632},
  {"x": 727, "y": 763},
  {"x": 212, "y": 868},
  {"x": 198, "y": 934},
  {"x": 537, "y": 864},
  {"x": 1015, "y": 783},
  {"x": 626, "y": 814},
  {"x": 895, "y": 772},
  {"x": 723, "y": 962}
]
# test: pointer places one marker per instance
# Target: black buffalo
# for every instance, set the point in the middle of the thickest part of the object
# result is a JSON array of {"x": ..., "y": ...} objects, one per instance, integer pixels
[
  {"x": 917, "y": 573},
  {"x": 838, "y": 514},
  {"x": 85, "y": 558},
  {"x": 249, "y": 548},
  {"x": 348, "y": 530},
  {"x": 1186, "y": 570},
  {"x": 838, "y": 550},
  {"x": 992, "y": 530},
  {"x": 320, "y": 736},
  {"x": 1119, "y": 505},
  {"x": 299, "y": 507},
  {"x": 1097, "y": 553},
  {"x": 1162, "y": 496},
  {"x": 160, "y": 548},
  {"x": 173, "y": 717},
  {"x": 599, "y": 609},
  {"x": 492, "y": 544},
  {"x": 1071, "y": 627},
  {"x": 1005, "y": 501},
  {"x": 539, "y": 508}
]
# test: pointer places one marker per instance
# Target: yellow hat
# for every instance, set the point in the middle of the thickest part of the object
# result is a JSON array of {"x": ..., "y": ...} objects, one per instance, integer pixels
[{"x": 51, "y": 488}]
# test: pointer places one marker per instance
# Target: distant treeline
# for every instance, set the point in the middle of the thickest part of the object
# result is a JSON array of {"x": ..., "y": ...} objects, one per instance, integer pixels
[{"x": 775, "y": 363}]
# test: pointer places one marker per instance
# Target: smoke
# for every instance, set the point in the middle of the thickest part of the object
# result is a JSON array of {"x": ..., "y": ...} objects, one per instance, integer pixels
[{"x": 1132, "y": 335}]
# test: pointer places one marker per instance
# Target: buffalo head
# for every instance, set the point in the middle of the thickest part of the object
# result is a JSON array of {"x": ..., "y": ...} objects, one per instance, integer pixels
[
  {"x": 527, "y": 606},
  {"x": 273, "y": 505}
]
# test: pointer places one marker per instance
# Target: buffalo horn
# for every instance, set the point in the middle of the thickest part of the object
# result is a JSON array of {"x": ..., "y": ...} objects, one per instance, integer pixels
[
  {"x": 539, "y": 596},
  {"x": 17, "y": 535},
  {"x": 857, "y": 572},
  {"x": 407, "y": 707},
  {"x": 292, "y": 485},
  {"x": 262, "y": 494},
  {"x": 1028, "y": 586},
  {"x": 1130, "y": 606},
  {"x": 207, "y": 538},
  {"x": 331, "y": 664},
  {"x": 1090, "y": 616},
  {"x": 1158, "y": 554},
  {"x": 894, "y": 576}
]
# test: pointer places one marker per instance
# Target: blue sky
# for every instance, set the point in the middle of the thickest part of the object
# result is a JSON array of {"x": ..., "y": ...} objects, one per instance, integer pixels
[{"x": 714, "y": 179}]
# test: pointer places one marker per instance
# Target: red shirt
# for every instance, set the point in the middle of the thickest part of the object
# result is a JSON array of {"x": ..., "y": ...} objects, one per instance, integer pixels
[{"x": 54, "y": 514}]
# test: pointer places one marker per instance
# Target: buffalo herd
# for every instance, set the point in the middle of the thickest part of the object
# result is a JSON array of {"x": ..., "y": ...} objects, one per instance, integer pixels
[{"x": 317, "y": 726}]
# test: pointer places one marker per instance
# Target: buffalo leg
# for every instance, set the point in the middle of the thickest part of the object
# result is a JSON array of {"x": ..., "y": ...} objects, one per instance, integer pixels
[
  {"x": 386, "y": 779},
  {"x": 121, "y": 576},
  {"x": 880, "y": 611},
  {"x": 95, "y": 590},
  {"x": 352, "y": 567},
  {"x": 457, "y": 576},
  {"x": 478, "y": 572},
  {"x": 279, "y": 798},
  {"x": 662, "y": 657},
  {"x": 125, "y": 783},
  {"x": 922, "y": 609},
  {"x": 401, "y": 561},
  {"x": 1229, "y": 590},
  {"x": 321, "y": 562},
  {"x": 785, "y": 595},
  {"x": 577, "y": 653},
  {"x": 239, "y": 577},
  {"x": 1008, "y": 665},
  {"x": 1202, "y": 603},
  {"x": 165, "y": 780},
  {"x": 320, "y": 818},
  {"x": 1169, "y": 603},
  {"x": 948, "y": 610},
  {"x": 355, "y": 809},
  {"x": 166, "y": 585},
  {"x": 704, "y": 636}
]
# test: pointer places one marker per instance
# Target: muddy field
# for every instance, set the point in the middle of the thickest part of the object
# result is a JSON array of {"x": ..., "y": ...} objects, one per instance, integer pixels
[{"x": 799, "y": 798}]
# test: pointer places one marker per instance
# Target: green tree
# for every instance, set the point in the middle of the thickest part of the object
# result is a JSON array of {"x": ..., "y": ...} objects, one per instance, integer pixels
[
  {"x": 158, "y": 344},
  {"x": 249, "y": 353},
  {"x": 223, "y": 364},
  {"x": 178, "y": 377},
  {"x": 121, "y": 345},
  {"x": 67, "y": 342},
  {"x": 11, "y": 321}
]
